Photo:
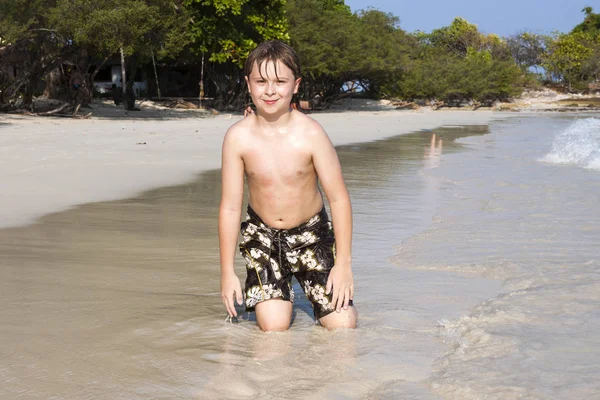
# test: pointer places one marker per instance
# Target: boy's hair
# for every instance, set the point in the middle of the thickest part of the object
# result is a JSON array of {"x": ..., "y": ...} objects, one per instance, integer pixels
[{"x": 273, "y": 50}]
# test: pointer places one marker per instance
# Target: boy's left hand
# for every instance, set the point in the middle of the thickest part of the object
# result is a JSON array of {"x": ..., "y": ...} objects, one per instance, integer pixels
[
  {"x": 248, "y": 111},
  {"x": 340, "y": 278}
]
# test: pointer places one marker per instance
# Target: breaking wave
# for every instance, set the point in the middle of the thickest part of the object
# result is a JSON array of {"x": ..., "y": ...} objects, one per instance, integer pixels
[{"x": 577, "y": 145}]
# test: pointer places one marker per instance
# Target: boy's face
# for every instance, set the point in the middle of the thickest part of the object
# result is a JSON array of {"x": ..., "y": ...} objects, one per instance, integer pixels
[{"x": 272, "y": 93}]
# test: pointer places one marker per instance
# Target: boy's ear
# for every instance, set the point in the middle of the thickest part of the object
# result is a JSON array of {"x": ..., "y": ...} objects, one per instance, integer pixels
[
  {"x": 297, "y": 85},
  {"x": 247, "y": 82}
]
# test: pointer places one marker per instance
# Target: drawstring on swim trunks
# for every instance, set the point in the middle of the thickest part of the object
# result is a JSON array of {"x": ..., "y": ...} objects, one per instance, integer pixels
[
  {"x": 279, "y": 245},
  {"x": 272, "y": 238}
]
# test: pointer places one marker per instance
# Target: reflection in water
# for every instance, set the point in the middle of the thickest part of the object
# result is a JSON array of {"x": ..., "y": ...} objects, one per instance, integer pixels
[
  {"x": 433, "y": 158},
  {"x": 433, "y": 153},
  {"x": 120, "y": 299}
]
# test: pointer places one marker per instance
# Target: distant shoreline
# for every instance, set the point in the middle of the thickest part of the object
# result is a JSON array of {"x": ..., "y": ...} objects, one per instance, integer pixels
[{"x": 531, "y": 101}]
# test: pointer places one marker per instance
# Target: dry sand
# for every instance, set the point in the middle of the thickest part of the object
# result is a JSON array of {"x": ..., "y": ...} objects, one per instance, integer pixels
[{"x": 51, "y": 164}]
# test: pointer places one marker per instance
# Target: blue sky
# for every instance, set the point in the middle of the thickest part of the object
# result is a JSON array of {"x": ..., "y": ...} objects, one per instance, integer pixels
[{"x": 501, "y": 17}]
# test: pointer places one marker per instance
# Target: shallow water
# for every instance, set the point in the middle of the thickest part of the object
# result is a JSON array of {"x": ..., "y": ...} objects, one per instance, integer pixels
[
  {"x": 521, "y": 205},
  {"x": 120, "y": 299}
]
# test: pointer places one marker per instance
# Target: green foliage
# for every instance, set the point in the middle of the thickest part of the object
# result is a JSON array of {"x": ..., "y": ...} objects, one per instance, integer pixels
[
  {"x": 461, "y": 37},
  {"x": 574, "y": 58},
  {"x": 443, "y": 75},
  {"x": 30, "y": 45},
  {"x": 136, "y": 26},
  {"x": 82, "y": 35},
  {"x": 229, "y": 29},
  {"x": 324, "y": 36},
  {"x": 384, "y": 48},
  {"x": 456, "y": 64},
  {"x": 458, "y": 37},
  {"x": 19, "y": 17},
  {"x": 107, "y": 25},
  {"x": 340, "y": 50},
  {"x": 591, "y": 23},
  {"x": 338, "y": 5},
  {"x": 567, "y": 55},
  {"x": 336, "y": 47}
]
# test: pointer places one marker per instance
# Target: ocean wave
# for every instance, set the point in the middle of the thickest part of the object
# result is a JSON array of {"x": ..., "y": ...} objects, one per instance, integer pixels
[{"x": 578, "y": 144}]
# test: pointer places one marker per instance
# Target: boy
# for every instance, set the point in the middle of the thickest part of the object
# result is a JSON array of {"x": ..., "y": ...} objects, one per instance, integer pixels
[{"x": 287, "y": 232}]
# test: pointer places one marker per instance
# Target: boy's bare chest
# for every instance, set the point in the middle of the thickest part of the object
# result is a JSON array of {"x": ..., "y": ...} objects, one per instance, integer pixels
[{"x": 278, "y": 165}]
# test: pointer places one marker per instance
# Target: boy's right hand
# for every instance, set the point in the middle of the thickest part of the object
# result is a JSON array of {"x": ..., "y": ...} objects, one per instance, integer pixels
[{"x": 230, "y": 289}]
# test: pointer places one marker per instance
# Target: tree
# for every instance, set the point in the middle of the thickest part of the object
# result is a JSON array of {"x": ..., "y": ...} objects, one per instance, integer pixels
[
  {"x": 135, "y": 28},
  {"x": 29, "y": 46},
  {"x": 340, "y": 49},
  {"x": 456, "y": 64},
  {"x": 590, "y": 65},
  {"x": 384, "y": 50},
  {"x": 527, "y": 49},
  {"x": 80, "y": 36},
  {"x": 458, "y": 37},
  {"x": 323, "y": 34},
  {"x": 566, "y": 55},
  {"x": 226, "y": 31},
  {"x": 229, "y": 29},
  {"x": 443, "y": 75},
  {"x": 573, "y": 58},
  {"x": 33, "y": 57},
  {"x": 591, "y": 23}
]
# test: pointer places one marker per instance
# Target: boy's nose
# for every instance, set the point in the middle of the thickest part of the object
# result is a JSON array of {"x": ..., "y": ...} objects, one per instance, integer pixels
[{"x": 270, "y": 88}]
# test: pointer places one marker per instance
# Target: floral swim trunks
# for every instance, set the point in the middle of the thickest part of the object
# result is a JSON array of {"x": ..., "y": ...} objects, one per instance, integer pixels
[{"x": 273, "y": 256}]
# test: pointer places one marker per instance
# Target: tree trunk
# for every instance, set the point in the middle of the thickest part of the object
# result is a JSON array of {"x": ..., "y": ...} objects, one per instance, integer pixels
[
  {"x": 92, "y": 77},
  {"x": 129, "y": 93},
  {"x": 53, "y": 84},
  {"x": 201, "y": 95},
  {"x": 123, "y": 77},
  {"x": 155, "y": 75},
  {"x": 28, "y": 94}
]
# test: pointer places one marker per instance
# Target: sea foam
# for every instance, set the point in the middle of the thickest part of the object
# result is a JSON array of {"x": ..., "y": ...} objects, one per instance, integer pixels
[{"x": 578, "y": 144}]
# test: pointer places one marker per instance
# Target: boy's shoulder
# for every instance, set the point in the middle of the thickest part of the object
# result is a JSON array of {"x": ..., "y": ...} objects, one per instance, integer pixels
[
  {"x": 239, "y": 131},
  {"x": 243, "y": 125},
  {"x": 299, "y": 123},
  {"x": 306, "y": 124}
]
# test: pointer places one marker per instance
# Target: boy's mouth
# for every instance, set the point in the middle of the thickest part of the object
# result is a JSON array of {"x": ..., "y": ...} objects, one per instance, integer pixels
[{"x": 270, "y": 102}]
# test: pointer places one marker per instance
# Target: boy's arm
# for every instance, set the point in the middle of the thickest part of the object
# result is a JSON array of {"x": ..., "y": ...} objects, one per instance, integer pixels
[
  {"x": 329, "y": 171},
  {"x": 230, "y": 211}
]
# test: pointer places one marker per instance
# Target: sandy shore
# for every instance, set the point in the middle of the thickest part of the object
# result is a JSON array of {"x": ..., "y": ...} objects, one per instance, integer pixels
[
  {"x": 136, "y": 280},
  {"x": 120, "y": 298},
  {"x": 51, "y": 164}
]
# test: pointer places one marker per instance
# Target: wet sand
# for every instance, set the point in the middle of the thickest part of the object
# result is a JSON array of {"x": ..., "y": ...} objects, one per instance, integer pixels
[
  {"x": 51, "y": 164},
  {"x": 120, "y": 299}
]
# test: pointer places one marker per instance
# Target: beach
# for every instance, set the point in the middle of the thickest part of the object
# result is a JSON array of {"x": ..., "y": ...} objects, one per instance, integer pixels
[
  {"x": 475, "y": 262},
  {"x": 53, "y": 164}
]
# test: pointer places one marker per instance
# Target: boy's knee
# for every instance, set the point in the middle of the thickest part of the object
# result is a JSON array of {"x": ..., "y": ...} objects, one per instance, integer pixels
[
  {"x": 345, "y": 319},
  {"x": 274, "y": 326},
  {"x": 274, "y": 315}
]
